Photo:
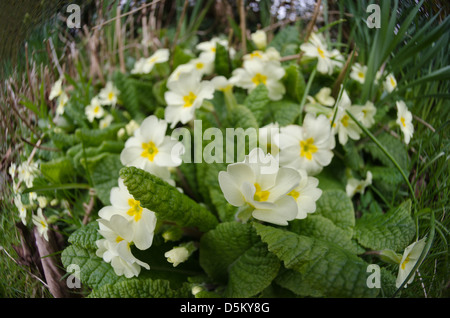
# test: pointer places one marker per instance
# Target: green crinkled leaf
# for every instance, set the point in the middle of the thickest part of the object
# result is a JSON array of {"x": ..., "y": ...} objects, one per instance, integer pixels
[
  {"x": 257, "y": 101},
  {"x": 322, "y": 228},
  {"x": 353, "y": 158},
  {"x": 94, "y": 272},
  {"x": 58, "y": 170},
  {"x": 388, "y": 175},
  {"x": 104, "y": 171},
  {"x": 288, "y": 35},
  {"x": 394, "y": 146},
  {"x": 94, "y": 137},
  {"x": 233, "y": 254},
  {"x": 294, "y": 82},
  {"x": 336, "y": 206},
  {"x": 141, "y": 288},
  {"x": 241, "y": 117},
  {"x": 320, "y": 268},
  {"x": 129, "y": 96},
  {"x": 165, "y": 200},
  {"x": 222, "y": 61},
  {"x": 62, "y": 140},
  {"x": 284, "y": 112},
  {"x": 86, "y": 236},
  {"x": 393, "y": 230},
  {"x": 252, "y": 272}
]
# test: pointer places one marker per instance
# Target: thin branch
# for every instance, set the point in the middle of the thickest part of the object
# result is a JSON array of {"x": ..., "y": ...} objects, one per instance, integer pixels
[
  {"x": 125, "y": 14},
  {"x": 243, "y": 27}
]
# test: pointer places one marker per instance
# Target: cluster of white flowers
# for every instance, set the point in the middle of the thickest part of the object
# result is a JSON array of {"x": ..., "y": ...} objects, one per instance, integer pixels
[
  {"x": 125, "y": 222},
  {"x": 122, "y": 224},
  {"x": 108, "y": 96}
]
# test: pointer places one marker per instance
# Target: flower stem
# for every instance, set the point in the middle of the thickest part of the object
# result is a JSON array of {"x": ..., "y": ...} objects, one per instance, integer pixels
[{"x": 375, "y": 140}]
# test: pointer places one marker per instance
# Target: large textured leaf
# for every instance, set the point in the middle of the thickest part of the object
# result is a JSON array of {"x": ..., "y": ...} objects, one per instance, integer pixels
[
  {"x": 393, "y": 230},
  {"x": 394, "y": 146},
  {"x": 165, "y": 200},
  {"x": 241, "y": 117},
  {"x": 141, "y": 288},
  {"x": 287, "y": 36},
  {"x": 58, "y": 170},
  {"x": 104, "y": 171},
  {"x": 336, "y": 206},
  {"x": 94, "y": 272},
  {"x": 284, "y": 112},
  {"x": 94, "y": 137},
  {"x": 233, "y": 254},
  {"x": 294, "y": 82},
  {"x": 333, "y": 220},
  {"x": 320, "y": 268},
  {"x": 256, "y": 101}
]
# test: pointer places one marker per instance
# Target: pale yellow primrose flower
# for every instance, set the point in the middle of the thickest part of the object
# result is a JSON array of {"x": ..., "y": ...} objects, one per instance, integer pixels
[
  {"x": 143, "y": 221},
  {"x": 177, "y": 255},
  {"x": 261, "y": 187},
  {"x": 316, "y": 48},
  {"x": 184, "y": 96},
  {"x": 94, "y": 109},
  {"x": 358, "y": 72},
  {"x": 61, "y": 103},
  {"x": 307, "y": 147},
  {"x": 116, "y": 247},
  {"x": 41, "y": 224},
  {"x": 260, "y": 39},
  {"x": 21, "y": 208},
  {"x": 358, "y": 186},
  {"x": 390, "y": 83},
  {"x": 408, "y": 261},
  {"x": 404, "y": 120},
  {"x": 256, "y": 72},
  {"x": 56, "y": 89},
  {"x": 106, "y": 121},
  {"x": 109, "y": 94},
  {"x": 145, "y": 65},
  {"x": 151, "y": 150},
  {"x": 306, "y": 194}
]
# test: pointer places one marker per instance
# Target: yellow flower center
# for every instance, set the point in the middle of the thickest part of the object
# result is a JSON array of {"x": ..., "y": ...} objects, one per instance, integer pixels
[
  {"x": 344, "y": 120},
  {"x": 406, "y": 261},
  {"x": 189, "y": 99},
  {"x": 307, "y": 148},
  {"x": 393, "y": 83},
  {"x": 321, "y": 52},
  {"x": 402, "y": 119},
  {"x": 96, "y": 109},
  {"x": 199, "y": 65},
  {"x": 110, "y": 95},
  {"x": 213, "y": 49},
  {"x": 260, "y": 195},
  {"x": 150, "y": 150},
  {"x": 152, "y": 60},
  {"x": 259, "y": 79},
  {"x": 119, "y": 239},
  {"x": 135, "y": 209},
  {"x": 255, "y": 54},
  {"x": 43, "y": 224},
  {"x": 361, "y": 74},
  {"x": 294, "y": 194}
]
